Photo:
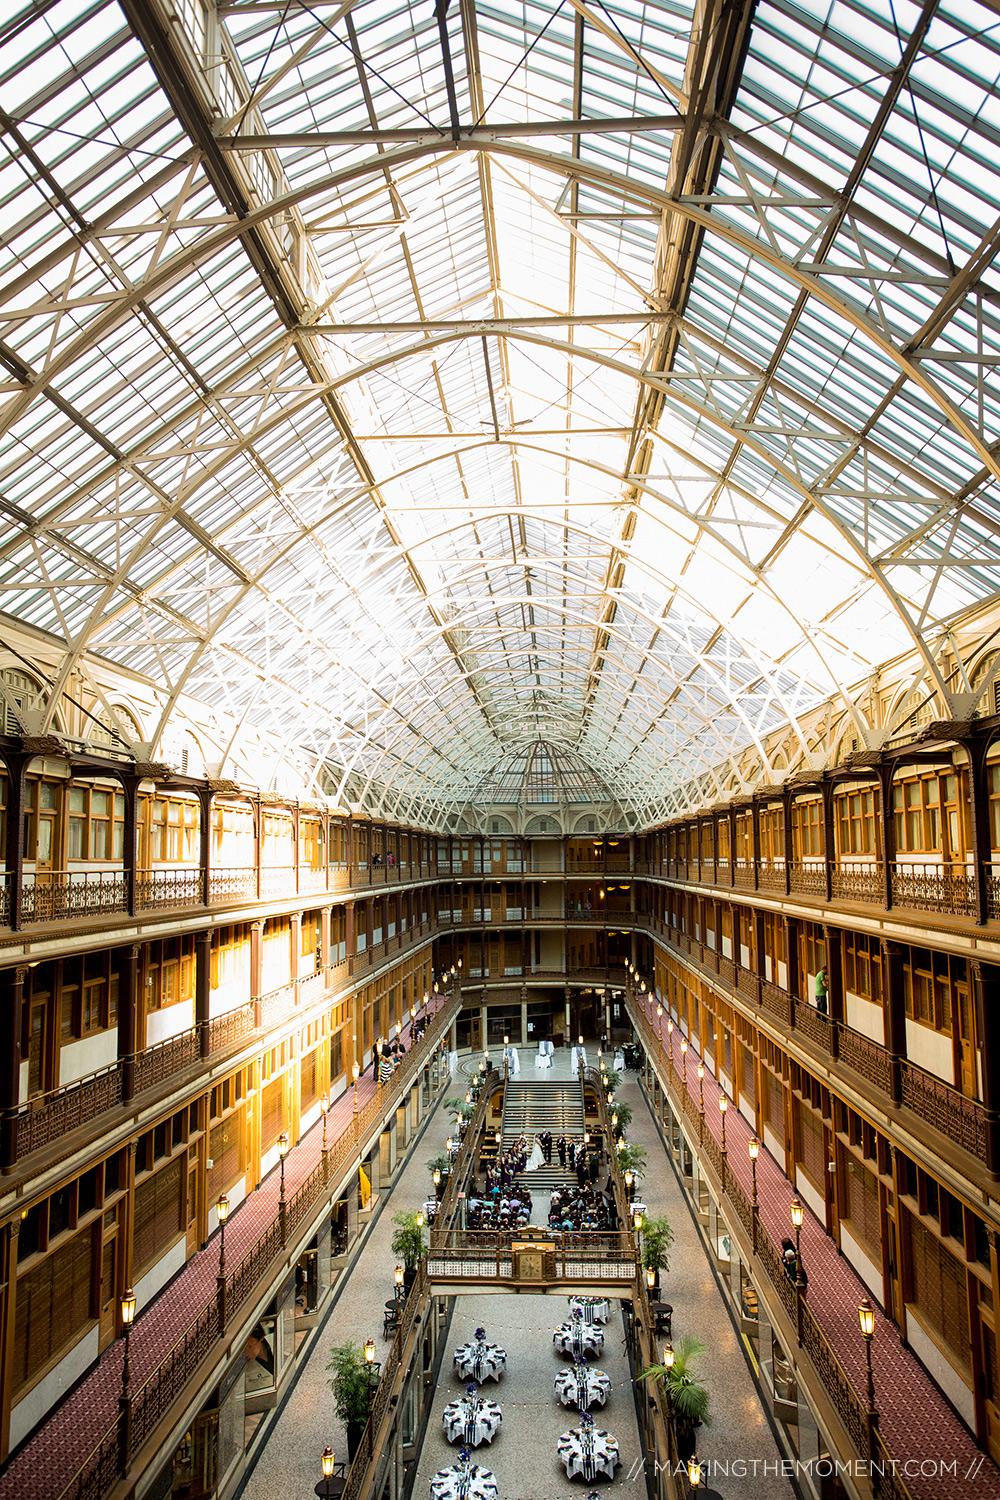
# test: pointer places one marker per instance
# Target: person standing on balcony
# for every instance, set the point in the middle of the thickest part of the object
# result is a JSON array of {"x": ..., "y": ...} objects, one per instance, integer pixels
[{"x": 822, "y": 991}]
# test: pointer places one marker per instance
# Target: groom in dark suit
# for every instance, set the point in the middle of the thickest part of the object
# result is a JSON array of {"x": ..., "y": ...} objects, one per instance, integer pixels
[{"x": 546, "y": 1140}]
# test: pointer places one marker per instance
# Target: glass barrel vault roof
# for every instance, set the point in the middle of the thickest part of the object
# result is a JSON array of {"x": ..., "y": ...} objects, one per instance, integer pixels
[{"x": 421, "y": 383}]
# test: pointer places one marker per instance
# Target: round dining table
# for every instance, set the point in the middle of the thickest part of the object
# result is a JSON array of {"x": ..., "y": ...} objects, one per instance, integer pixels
[
  {"x": 588, "y": 1451},
  {"x": 591, "y": 1309},
  {"x": 480, "y": 1361},
  {"x": 472, "y": 1421},
  {"x": 464, "y": 1482},
  {"x": 579, "y": 1339},
  {"x": 582, "y": 1387}
]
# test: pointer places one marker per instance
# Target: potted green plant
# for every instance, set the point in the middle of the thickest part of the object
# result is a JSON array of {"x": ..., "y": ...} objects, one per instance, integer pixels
[
  {"x": 460, "y": 1107},
  {"x": 350, "y": 1382},
  {"x": 633, "y": 1159},
  {"x": 624, "y": 1113},
  {"x": 688, "y": 1396},
  {"x": 657, "y": 1238},
  {"x": 407, "y": 1245}
]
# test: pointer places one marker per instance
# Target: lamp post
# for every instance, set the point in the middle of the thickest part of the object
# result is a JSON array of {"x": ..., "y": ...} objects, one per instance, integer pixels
[
  {"x": 668, "y": 1365},
  {"x": 356, "y": 1074},
  {"x": 398, "y": 1278},
  {"x": 637, "y": 1223},
  {"x": 753, "y": 1148},
  {"x": 373, "y": 1373},
  {"x": 125, "y": 1399},
  {"x": 378, "y": 1066},
  {"x": 866, "y": 1317},
  {"x": 436, "y": 1179},
  {"x": 701, "y": 1101},
  {"x": 723, "y": 1107},
  {"x": 797, "y": 1217},
  {"x": 282, "y": 1206},
  {"x": 327, "y": 1459},
  {"x": 684, "y": 1065},
  {"x": 324, "y": 1109},
  {"x": 222, "y": 1212},
  {"x": 629, "y": 1180},
  {"x": 506, "y": 1057},
  {"x": 694, "y": 1472}
]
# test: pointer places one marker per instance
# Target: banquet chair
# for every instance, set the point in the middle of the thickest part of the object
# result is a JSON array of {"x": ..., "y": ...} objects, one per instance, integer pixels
[{"x": 390, "y": 1321}]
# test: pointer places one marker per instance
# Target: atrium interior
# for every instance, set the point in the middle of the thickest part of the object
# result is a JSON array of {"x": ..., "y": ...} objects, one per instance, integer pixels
[{"x": 500, "y": 567}]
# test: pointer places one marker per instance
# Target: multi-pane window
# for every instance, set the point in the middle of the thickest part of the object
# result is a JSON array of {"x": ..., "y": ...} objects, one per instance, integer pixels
[
  {"x": 95, "y": 823},
  {"x": 930, "y": 814},
  {"x": 863, "y": 966},
  {"x": 856, "y": 821},
  {"x": 278, "y": 841},
  {"x": 169, "y": 972},
  {"x": 230, "y": 956},
  {"x": 807, "y": 829},
  {"x": 173, "y": 830},
  {"x": 744, "y": 836},
  {"x": 233, "y": 842},
  {"x": 931, "y": 983},
  {"x": 772, "y": 832}
]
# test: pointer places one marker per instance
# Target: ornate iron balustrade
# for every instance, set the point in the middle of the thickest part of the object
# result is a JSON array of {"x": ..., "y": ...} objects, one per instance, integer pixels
[
  {"x": 928, "y": 887},
  {"x": 165, "y": 1058},
  {"x": 165, "y": 888},
  {"x": 865, "y": 883},
  {"x": 228, "y": 1030},
  {"x": 777, "y": 1002},
  {"x": 815, "y": 1026},
  {"x": 962, "y": 1120},
  {"x": 743, "y": 874},
  {"x": 771, "y": 875},
  {"x": 232, "y": 885},
  {"x": 868, "y": 1058},
  {"x": 992, "y": 876},
  {"x": 58, "y": 896},
  {"x": 277, "y": 880},
  {"x": 312, "y": 880},
  {"x": 48, "y": 1116},
  {"x": 748, "y": 985},
  {"x": 277, "y": 1005},
  {"x": 5, "y": 900},
  {"x": 808, "y": 879}
]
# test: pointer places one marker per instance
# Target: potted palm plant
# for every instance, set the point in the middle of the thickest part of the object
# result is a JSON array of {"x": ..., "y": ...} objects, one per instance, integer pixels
[
  {"x": 686, "y": 1394},
  {"x": 657, "y": 1238},
  {"x": 350, "y": 1382},
  {"x": 633, "y": 1159},
  {"x": 407, "y": 1245}
]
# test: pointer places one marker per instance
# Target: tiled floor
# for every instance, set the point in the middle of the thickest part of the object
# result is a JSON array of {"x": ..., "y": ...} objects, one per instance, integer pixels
[
  {"x": 47, "y": 1461},
  {"x": 920, "y": 1428}
]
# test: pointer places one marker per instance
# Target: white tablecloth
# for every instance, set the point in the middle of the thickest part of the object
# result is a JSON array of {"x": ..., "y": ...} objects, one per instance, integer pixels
[
  {"x": 619, "y": 1062},
  {"x": 543, "y": 1060},
  {"x": 582, "y": 1387},
  {"x": 481, "y": 1485},
  {"x": 592, "y": 1309},
  {"x": 579, "y": 1338},
  {"x": 480, "y": 1361},
  {"x": 513, "y": 1061},
  {"x": 575, "y": 1056},
  {"x": 546, "y": 1049},
  {"x": 597, "y": 1454},
  {"x": 471, "y": 1422},
  {"x": 452, "y": 1062}
]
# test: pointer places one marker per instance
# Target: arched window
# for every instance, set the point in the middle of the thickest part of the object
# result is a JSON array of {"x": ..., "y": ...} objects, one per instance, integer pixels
[{"x": 107, "y": 729}]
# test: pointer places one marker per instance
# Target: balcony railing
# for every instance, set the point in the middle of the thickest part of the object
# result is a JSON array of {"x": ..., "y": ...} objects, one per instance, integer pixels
[
  {"x": 166, "y": 1058},
  {"x": 808, "y": 879},
  {"x": 935, "y": 887},
  {"x": 277, "y": 880},
  {"x": 167, "y": 888},
  {"x": 961, "y": 1119},
  {"x": 228, "y": 1030},
  {"x": 231, "y": 885},
  {"x": 57, "y": 895},
  {"x": 46, "y": 1117}
]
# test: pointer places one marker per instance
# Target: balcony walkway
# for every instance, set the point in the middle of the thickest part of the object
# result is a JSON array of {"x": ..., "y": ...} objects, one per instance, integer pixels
[
  {"x": 45, "y": 1466},
  {"x": 917, "y": 1423}
]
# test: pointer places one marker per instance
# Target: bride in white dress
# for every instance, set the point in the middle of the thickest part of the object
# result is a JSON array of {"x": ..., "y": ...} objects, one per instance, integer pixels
[{"x": 537, "y": 1157}]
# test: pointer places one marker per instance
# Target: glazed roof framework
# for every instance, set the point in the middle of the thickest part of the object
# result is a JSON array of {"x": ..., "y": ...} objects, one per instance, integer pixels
[{"x": 632, "y": 389}]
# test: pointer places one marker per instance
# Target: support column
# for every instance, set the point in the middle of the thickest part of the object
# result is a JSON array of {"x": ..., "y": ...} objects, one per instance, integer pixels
[
  {"x": 834, "y": 949},
  {"x": 8, "y": 1312},
  {"x": 829, "y": 838},
  {"x": 789, "y": 851},
  {"x": 205, "y": 848},
  {"x": 986, "y": 992},
  {"x": 888, "y": 825},
  {"x": 128, "y": 1018},
  {"x": 11, "y": 1034},
  {"x": 895, "y": 1015},
  {"x": 203, "y": 989},
  {"x": 14, "y": 851},
  {"x": 792, "y": 960},
  {"x": 256, "y": 968},
  {"x": 324, "y": 937},
  {"x": 980, "y": 818}
]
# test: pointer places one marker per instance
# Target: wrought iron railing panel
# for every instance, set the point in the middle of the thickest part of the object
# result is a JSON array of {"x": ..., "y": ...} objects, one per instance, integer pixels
[
  {"x": 48, "y": 1116},
  {"x": 168, "y": 888}
]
